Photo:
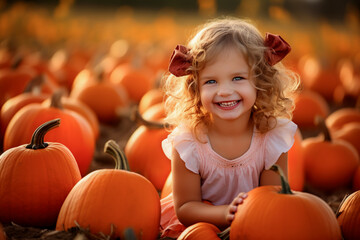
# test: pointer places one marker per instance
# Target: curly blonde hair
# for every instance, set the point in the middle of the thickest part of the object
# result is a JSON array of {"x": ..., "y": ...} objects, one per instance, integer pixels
[{"x": 275, "y": 84}]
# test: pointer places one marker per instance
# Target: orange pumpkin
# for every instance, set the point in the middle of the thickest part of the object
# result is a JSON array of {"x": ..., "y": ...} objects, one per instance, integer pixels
[
  {"x": 326, "y": 83},
  {"x": 276, "y": 212},
  {"x": 37, "y": 62},
  {"x": 75, "y": 132},
  {"x": 145, "y": 155},
  {"x": 31, "y": 94},
  {"x": 155, "y": 113},
  {"x": 103, "y": 97},
  {"x": 136, "y": 81},
  {"x": 329, "y": 163},
  {"x": 14, "y": 104},
  {"x": 342, "y": 116},
  {"x": 151, "y": 97},
  {"x": 309, "y": 104},
  {"x": 200, "y": 230},
  {"x": 83, "y": 78},
  {"x": 296, "y": 165},
  {"x": 316, "y": 78},
  {"x": 35, "y": 179},
  {"x": 65, "y": 64},
  {"x": 112, "y": 200},
  {"x": 18, "y": 76},
  {"x": 82, "y": 109},
  {"x": 350, "y": 132},
  {"x": 348, "y": 216}
]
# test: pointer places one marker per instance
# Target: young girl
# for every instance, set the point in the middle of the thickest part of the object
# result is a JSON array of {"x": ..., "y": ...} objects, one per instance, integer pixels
[{"x": 229, "y": 99}]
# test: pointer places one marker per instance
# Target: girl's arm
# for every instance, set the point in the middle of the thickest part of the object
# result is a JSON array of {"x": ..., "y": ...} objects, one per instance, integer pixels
[
  {"x": 269, "y": 177},
  {"x": 187, "y": 198}
]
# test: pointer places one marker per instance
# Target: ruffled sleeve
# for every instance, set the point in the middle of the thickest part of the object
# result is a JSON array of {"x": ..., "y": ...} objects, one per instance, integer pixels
[
  {"x": 184, "y": 143},
  {"x": 279, "y": 140}
]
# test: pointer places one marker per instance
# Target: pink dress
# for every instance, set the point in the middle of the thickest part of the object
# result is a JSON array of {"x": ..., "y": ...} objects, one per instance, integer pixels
[{"x": 218, "y": 173}]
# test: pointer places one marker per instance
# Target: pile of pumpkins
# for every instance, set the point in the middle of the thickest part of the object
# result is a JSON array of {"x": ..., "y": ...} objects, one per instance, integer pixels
[{"x": 50, "y": 122}]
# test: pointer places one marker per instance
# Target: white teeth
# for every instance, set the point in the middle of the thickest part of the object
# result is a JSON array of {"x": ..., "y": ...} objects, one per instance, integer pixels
[{"x": 228, "y": 104}]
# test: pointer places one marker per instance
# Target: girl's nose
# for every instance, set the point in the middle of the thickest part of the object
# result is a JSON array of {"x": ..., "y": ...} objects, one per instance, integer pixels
[{"x": 225, "y": 90}]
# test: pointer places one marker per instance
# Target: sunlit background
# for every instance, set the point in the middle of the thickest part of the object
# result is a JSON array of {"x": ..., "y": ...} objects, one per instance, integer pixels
[{"x": 324, "y": 34}]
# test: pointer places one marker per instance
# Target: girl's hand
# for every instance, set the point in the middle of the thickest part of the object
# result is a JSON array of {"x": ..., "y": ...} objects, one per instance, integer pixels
[{"x": 232, "y": 208}]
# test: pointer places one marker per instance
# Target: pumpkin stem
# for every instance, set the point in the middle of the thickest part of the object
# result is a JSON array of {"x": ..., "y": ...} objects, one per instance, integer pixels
[
  {"x": 99, "y": 74},
  {"x": 56, "y": 99},
  {"x": 17, "y": 62},
  {"x": 34, "y": 86},
  {"x": 285, "y": 187},
  {"x": 224, "y": 235},
  {"x": 112, "y": 148},
  {"x": 320, "y": 123},
  {"x": 338, "y": 213},
  {"x": 136, "y": 116},
  {"x": 37, "y": 139}
]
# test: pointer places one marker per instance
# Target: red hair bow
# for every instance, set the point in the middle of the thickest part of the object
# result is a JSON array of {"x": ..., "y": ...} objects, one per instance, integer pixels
[
  {"x": 180, "y": 61},
  {"x": 278, "y": 48}
]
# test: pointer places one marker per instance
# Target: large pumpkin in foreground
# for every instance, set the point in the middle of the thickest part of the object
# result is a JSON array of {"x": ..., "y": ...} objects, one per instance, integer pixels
[
  {"x": 35, "y": 179},
  {"x": 111, "y": 201},
  {"x": 274, "y": 212}
]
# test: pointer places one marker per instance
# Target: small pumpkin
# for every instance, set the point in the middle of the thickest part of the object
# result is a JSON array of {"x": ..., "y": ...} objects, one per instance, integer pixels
[
  {"x": 329, "y": 163},
  {"x": 19, "y": 76},
  {"x": 81, "y": 108},
  {"x": 340, "y": 117},
  {"x": 144, "y": 152},
  {"x": 102, "y": 96},
  {"x": 112, "y": 200},
  {"x": 65, "y": 65},
  {"x": 31, "y": 94},
  {"x": 35, "y": 179},
  {"x": 309, "y": 104},
  {"x": 348, "y": 216},
  {"x": 326, "y": 83},
  {"x": 350, "y": 132},
  {"x": 155, "y": 112},
  {"x": 200, "y": 230},
  {"x": 136, "y": 80},
  {"x": 276, "y": 212},
  {"x": 151, "y": 97}
]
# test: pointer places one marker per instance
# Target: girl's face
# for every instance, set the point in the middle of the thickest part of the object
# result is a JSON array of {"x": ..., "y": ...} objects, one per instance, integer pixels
[{"x": 225, "y": 88}]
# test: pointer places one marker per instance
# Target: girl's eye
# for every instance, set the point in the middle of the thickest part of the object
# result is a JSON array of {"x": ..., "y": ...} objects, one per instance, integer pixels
[
  {"x": 238, "y": 78},
  {"x": 210, "y": 82}
]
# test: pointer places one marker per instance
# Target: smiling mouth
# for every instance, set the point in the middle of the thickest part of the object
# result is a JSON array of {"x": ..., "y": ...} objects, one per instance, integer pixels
[{"x": 228, "y": 104}]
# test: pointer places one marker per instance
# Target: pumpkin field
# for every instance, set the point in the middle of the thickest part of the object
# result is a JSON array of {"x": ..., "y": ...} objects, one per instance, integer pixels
[{"x": 81, "y": 123}]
